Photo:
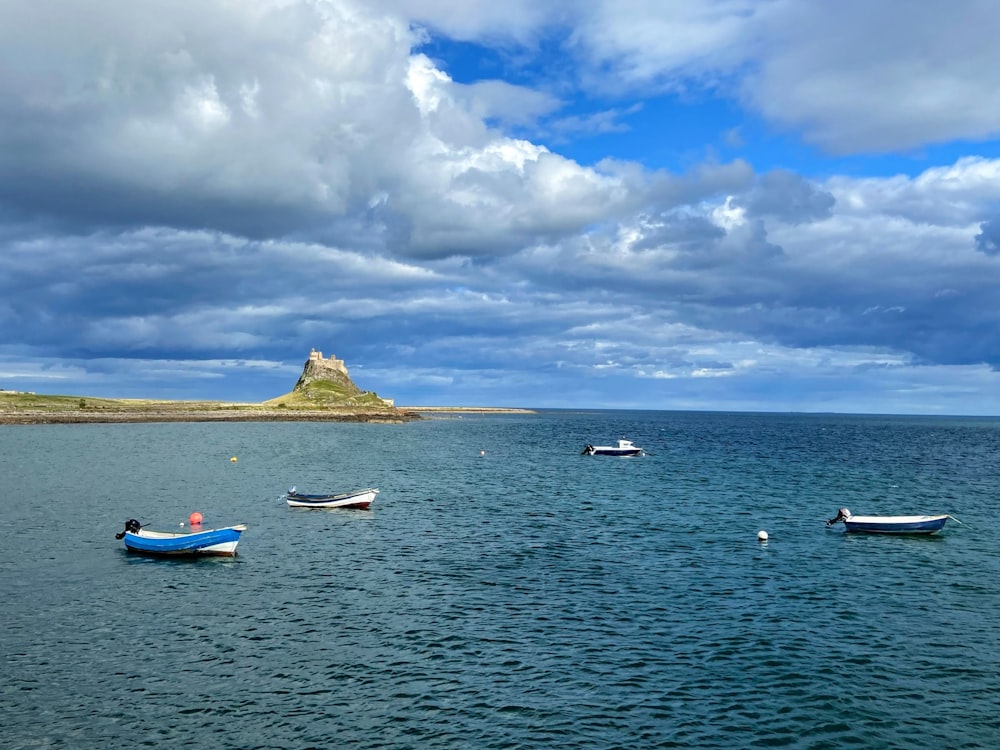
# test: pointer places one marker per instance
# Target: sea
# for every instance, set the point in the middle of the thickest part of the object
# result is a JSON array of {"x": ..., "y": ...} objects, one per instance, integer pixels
[{"x": 504, "y": 591}]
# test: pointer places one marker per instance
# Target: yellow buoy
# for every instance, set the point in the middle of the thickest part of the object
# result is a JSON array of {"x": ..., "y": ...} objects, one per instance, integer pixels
[{"x": 233, "y": 459}]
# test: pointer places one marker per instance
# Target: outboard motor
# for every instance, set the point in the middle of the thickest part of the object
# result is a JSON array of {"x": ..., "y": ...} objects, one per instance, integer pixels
[
  {"x": 842, "y": 515},
  {"x": 588, "y": 450},
  {"x": 132, "y": 526}
]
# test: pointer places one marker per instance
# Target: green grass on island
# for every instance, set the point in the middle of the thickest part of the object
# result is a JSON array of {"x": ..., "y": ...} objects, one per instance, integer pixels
[
  {"x": 328, "y": 394},
  {"x": 315, "y": 403}
]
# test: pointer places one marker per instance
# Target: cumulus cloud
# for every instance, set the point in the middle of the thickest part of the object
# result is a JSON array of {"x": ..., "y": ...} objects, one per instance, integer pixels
[
  {"x": 681, "y": 230},
  {"x": 853, "y": 77},
  {"x": 222, "y": 190},
  {"x": 988, "y": 239},
  {"x": 954, "y": 194},
  {"x": 787, "y": 196},
  {"x": 516, "y": 20},
  {"x": 506, "y": 104},
  {"x": 863, "y": 76},
  {"x": 138, "y": 122},
  {"x": 315, "y": 111}
]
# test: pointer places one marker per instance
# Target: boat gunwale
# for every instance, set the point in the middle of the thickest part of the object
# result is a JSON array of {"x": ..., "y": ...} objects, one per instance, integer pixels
[
  {"x": 896, "y": 519},
  {"x": 184, "y": 534}
]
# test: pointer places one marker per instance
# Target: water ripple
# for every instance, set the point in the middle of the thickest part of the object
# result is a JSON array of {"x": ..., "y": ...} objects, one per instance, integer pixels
[{"x": 521, "y": 599}]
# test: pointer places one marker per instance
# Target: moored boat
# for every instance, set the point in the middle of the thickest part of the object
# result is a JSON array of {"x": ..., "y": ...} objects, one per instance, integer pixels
[
  {"x": 624, "y": 448},
  {"x": 890, "y": 524},
  {"x": 356, "y": 499},
  {"x": 193, "y": 541}
]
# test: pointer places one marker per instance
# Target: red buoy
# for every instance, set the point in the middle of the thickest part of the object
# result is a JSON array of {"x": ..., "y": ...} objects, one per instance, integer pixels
[{"x": 195, "y": 518}]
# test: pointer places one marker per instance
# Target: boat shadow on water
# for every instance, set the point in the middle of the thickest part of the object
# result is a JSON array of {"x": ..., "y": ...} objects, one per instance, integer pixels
[
  {"x": 884, "y": 539},
  {"x": 146, "y": 558}
]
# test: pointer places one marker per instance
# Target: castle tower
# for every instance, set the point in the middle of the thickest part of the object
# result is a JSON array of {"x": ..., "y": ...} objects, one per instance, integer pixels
[{"x": 316, "y": 361}]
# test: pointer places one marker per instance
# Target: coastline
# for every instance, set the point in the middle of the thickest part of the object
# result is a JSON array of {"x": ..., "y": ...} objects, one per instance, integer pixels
[
  {"x": 182, "y": 415},
  {"x": 73, "y": 410},
  {"x": 222, "y": 412},
  {"x": 467, "y": 410},
  {"x": 29, "y": 408}
]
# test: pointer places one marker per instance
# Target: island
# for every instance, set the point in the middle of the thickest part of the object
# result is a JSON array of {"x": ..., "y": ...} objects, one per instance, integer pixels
[{"x": 324, "y": 393}]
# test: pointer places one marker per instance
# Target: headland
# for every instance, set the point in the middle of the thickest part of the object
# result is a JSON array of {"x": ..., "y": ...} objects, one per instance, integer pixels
[{"x": 323, "y": 393}]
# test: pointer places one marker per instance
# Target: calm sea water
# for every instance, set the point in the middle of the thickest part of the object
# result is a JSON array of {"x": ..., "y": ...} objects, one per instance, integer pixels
[{"x": 525, "y": 598}]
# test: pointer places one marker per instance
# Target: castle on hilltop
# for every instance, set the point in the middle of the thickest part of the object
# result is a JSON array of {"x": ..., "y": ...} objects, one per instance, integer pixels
[
  {"x": 316, "y": 359},
  {"x": 318, "y": 369}
]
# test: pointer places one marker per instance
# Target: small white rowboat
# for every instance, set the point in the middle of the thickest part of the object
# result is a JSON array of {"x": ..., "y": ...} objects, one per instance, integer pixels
[
  {"x": 890, "y": 524},
  {"x": 357, "y": 499}
]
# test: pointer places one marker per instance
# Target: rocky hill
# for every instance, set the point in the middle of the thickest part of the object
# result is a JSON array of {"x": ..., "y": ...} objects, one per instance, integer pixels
[
  {"x": 323, "y": 393},
  {"x": 326, "y": 383}
]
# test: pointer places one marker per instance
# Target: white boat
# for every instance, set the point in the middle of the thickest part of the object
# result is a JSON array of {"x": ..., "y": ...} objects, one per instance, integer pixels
[
  {"x": 357, "y": 499},
  {"x": 890, "y": 524},
  {"x": 624, "y": 448}
]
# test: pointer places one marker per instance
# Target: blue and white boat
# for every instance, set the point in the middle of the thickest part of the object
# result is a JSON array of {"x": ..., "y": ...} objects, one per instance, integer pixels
[
  {"x": 889, "y": 524},
  {"x": 192, "y": 541}
]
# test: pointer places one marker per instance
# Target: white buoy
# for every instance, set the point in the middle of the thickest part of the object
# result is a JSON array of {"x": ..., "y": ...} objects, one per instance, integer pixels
[{"x": 761, "y": 536}]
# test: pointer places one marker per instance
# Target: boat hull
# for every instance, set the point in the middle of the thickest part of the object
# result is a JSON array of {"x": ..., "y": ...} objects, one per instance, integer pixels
[
  {"x": 361, "y": 499},
  {"x": 895, "y": 524},
  {"x": 209, "y": 542}
]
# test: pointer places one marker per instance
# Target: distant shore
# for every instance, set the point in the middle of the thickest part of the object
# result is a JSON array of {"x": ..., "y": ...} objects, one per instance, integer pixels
[
  {"x": 34, "y": 409},
  {"x": 468, "y": 409},
  {"x": 111, "y": 416}
]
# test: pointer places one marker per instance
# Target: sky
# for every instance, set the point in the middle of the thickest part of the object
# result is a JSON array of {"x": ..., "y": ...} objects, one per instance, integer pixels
[{"x": 727, "y": 205}]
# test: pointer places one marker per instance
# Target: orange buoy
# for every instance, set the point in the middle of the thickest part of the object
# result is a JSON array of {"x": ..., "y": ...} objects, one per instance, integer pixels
[{"x": 195, "y": 518}]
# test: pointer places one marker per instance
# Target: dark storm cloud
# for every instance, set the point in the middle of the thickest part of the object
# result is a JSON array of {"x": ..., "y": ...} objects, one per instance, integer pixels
[{"x": 186, "y": 293}]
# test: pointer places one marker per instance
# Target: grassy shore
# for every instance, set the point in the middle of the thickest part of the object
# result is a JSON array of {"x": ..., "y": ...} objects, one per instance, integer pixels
[{"x": 30, "y": 408}]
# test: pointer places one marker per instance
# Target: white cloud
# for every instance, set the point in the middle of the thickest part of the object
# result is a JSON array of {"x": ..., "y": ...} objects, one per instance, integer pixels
[
  {"x": 256, "y": 179},
  {"x": 853, "y": 77},
  {"x": 519, "y": 20},
  {"x": 650, "y": 42},
  {"x": 874, "y": 76},
  {"x": 200, "y": 104},
  {"x": 310, "y": 113}
]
